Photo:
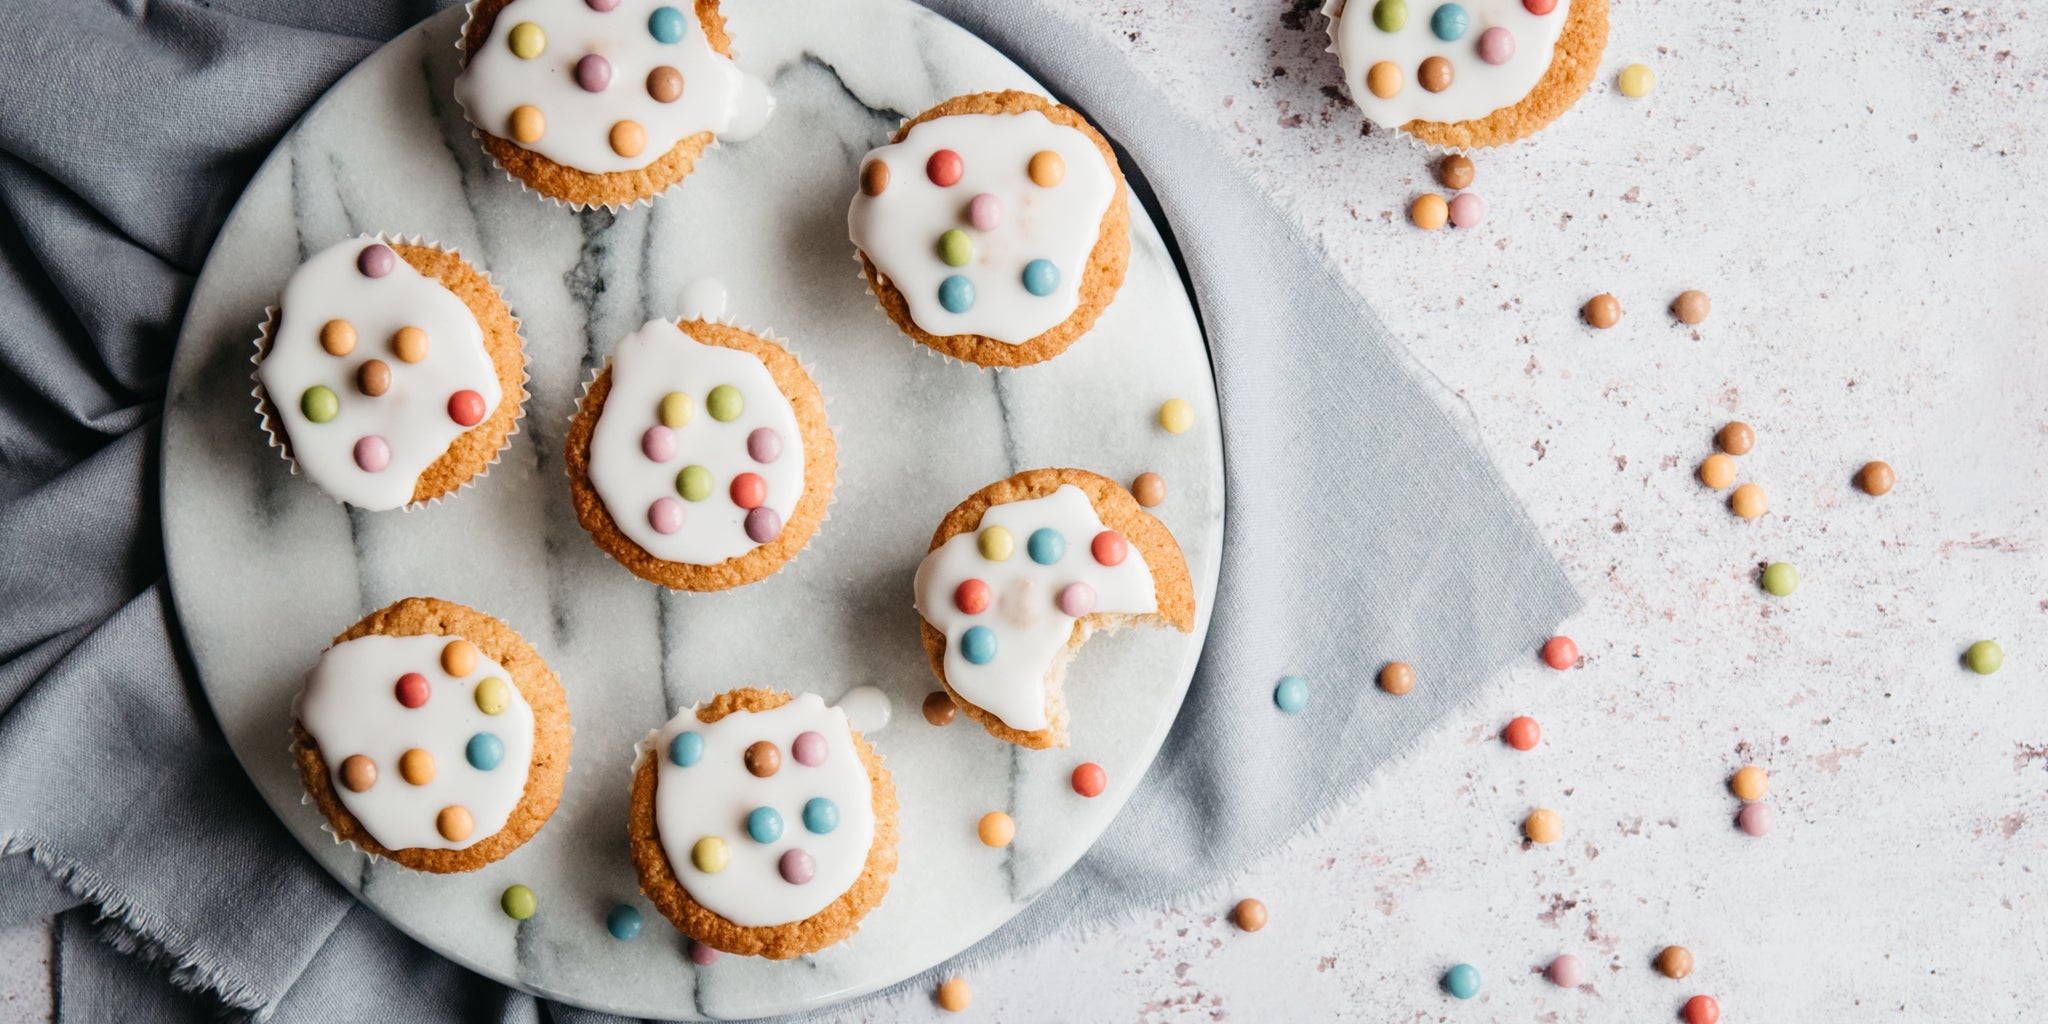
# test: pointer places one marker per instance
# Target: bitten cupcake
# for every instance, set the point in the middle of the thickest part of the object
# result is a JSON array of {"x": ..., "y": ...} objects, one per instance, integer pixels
[
  {"x": 994, "y": 228},
  {"x": 603, "y": 102},
  {"x": 1468, "y": 74},
  {"x": 699, "y": 457},
  {"x": 762, "y": 824},
  {"x": 1021, "y": 574},
  {"x": 391, "y": 372},
  {"x": 433, "y": 735}
]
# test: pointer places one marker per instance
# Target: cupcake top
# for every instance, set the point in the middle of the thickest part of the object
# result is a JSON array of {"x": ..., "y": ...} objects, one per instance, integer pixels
[
  {"x": 766, "y": 817},
  {"x": 374, "y": 369},
  {"x": 1008, "y": 594},
  {"x": 604, "y": 85},
  {"x": 1408, "y": 60},
  {"x": 426, "y": 741},
  {"x": 697, "y": 455},
  {"x": 984, "y": 222}
]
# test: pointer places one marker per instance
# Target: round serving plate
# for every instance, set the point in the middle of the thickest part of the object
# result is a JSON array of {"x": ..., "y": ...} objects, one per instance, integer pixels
[{"x": 265, "y": 569}]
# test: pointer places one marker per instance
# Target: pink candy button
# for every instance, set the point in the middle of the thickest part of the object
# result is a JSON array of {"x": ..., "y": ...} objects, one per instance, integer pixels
[{"x": 373, "y": 453}]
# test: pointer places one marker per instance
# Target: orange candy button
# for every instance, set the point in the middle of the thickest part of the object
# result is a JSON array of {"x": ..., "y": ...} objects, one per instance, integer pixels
[
  {"x": 997, "y": 829},
  {"x": 628, "y": 138},
  {"x": 416, "y": 766},
  {"x": 454, "y": 823},
  {"x": 458, "y": 659}
]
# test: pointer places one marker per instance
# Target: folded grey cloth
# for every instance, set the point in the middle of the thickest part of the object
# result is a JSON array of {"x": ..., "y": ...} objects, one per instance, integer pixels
[{"x": 1363, "y": 525}]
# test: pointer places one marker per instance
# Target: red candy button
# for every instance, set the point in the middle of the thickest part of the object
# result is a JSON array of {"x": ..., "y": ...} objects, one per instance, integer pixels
[
  {"x": 1560, "y": 653},
  {"x": 749, "y": 490},
  {"x": 1522, "y": 733},
  {"x": 1109, "y": 547},
  {"x": 1540, "y": 6},
  {"x": 972, "y": 597},
  {"x": 1090, "y": 780},
  {"x": 466, "y": 408},
  {"x": 412, "y": 689},
  {"x": 945, "y": 168},
  {"x": 1702, "y": 1010}
]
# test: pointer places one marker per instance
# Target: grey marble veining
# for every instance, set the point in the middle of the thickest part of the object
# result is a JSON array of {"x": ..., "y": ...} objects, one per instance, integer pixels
[{"x": 265, "y": 569}]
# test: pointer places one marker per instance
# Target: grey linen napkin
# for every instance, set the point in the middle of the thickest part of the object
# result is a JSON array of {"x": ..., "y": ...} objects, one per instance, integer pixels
[{"x": 1364, "y": 525}]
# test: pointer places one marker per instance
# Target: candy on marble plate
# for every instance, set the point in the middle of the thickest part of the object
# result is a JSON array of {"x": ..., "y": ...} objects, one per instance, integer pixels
[
  {"x": 1176, "y": 415},
  {"x": 1691, "y": 307},
  {"x": 1542, "y": 826},
  {"x": 1567, "y": 971},
  {"x": 1984, "y": 657},
  {"x": 1636, "y": 81},
  {"x": 1749, "y": 783},
  {"x": 1756, "y": 819},
  {"x": 519, "y": 902},
  {"x": 1749, "y": 501},
  {"x": 1780, "y": 579},
  {"x": 1089, "y": 779},
  {"x": 1735, "y": 437},
  {"x": 1429, "y": 211},
  {"x": 1702, "y": 1010},
  {"x": 1602, "y": 311},
  {"x": 939, "y": 708},
  {"x": 1249, "y": 915},
  {"x": 1462, "y": 980},
  {"x": 623, "y": 922},
  {"x": 1467, "y": 210},
  {"x": 1718, "y": 471},
  {"x": 1876, "y": 478},
  {"x": 1522, "y": 733},
  {"x": 1674, "y": 962},
  {"x": 702, "y": 955},
  {"x": 1456, "y": 171},
  {"x": 1149, "y": 489},
  {"x": 996, "y": 829}
]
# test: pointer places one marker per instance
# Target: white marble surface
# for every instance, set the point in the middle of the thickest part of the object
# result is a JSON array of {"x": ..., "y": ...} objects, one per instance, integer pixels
[{"x": 1860, "y": 188}]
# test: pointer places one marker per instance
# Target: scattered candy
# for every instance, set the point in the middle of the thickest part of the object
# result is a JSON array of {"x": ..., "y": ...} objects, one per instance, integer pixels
[
  {"x": 1496, "y": 45},
  {"x": 1636, "y": 82},
  {"x": 1750, "y": 783},
  {"x": 484, "y": 751},
  {"x": 995, "y": 544},
  {"x": 666, "y": 25},
  {"x": 1566, "y": 971},
  {"x": 764, "y": 445},
  {"x": 954, "y": 995},
  {"x": 1248, "y": 915},
  {"x": 956, "y": 294},
  {"x": 1542, "y": 826},
  {"x": 973, "y": 596},
  {"x": 519, "y": 902},
  {"x": 358, "y": 773},
  {"x": 1090, "y": 780},
  {"x": 1735, "y": 438},
  {"x": 1397, "y": 678},
  {"x": 1390, "y": 15},
  {"x": 1450, "y": 22},
  {"x": 1692, "y": 305},
  {"x": 1560, "y": 652},
  {"x": 709, "y": 855},
  {"x": 1462, "y": 981},
  {"x": 1383, "y": 79},
  {"x": 1077, "y": 600},
  {"x": 376, "y": 260},
  {"x": 409, "y": 344},
  {"x": 623, "y": 922},
  {"x": 1149, "y": 489},
  {"x": 1876, "y": 478},
  {"x": 1756, "y": 819},
  {"x": 1456, "y": 171},
  {"x": 1522, "y": 734},
  {"x": 1674, "y": 962},
  {"x": 996, "y": 829},
  {"x": 808, "y": 748},
  {"x": 1780, "y": 579},
  {"x": 686, "y": 749},
  {"x": 320, "y": 404},
  {"x": 528, "y": 124},
  {"x": 701, "y": 954},
  {"x": 764, "y": 825},
  {"x": 372, "y": 453},
  {"x": 985, "y": 212},
  {"x": 748, "y": 490},
  {"x": 338, "y": 337},
  {"x": 1292, "y": 694},
  {"x": 1176, "y": 415},
  {"x": 454, "y": 823},
  {"x": 978, "y": 645},
  {"x": 466, "y": 408},
  {"x": 1046, "y": 546},
  {"x": 458, "y": 658},
  {"x": 1041, "y": 277},
  {"x": 526, "y": 40},
  {"x": 1429, "y": 211},
  {"x": 1109, "y": 548},
  {"x": 416, "y": 766},
  {"x": 694, "y": 483},
  {"x": 665, "y": 85},
  {"x": 1435, "y": 74},
  {"x": 796, "y": 866},
  {"x": 820, "y": 815},
  {"x": 628, "y": 138},
  {"x": 955, "y": 248},
  {"x": 1748, "y": 501},
  {"x": 945, "y": 168},
  {"x": 1718, "y": 471},
  {"x": 939, "y": 708},
  {"x": 1702, "y": 1010},
  {"x": 1602, "y": 311},
  {"x": 1467, "y": 210},
  {"x": 1985, "y": 657},
  {"x": 493, "y": 695},
  {"x": 1046, "y": 168},
  {"x": 762, "y": 759},
  {"x": 676, "y": 410}
]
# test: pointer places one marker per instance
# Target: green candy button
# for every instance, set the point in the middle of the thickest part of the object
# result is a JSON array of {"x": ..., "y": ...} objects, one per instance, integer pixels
[
  {"x": 1390, "y": 15},
  {"x": 319, "y": 404},
  {"x": 956, "y": 248},
  {"x": 724, "y": 403},
  {"x": 519, "y": 903},
  {"x": 694, "y": 482},
  {"x": 1985, "y": 656},
  {"x": 1780, "y": 579}
]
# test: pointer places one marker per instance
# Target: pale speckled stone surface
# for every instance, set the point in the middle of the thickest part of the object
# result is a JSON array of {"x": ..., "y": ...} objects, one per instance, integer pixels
[{"x": 1860, "y": 188}]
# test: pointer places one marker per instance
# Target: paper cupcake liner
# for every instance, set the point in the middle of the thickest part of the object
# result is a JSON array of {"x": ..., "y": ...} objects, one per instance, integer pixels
[
  {"x": 273, "y": 425},
  {"x": 825, "y": 398}
]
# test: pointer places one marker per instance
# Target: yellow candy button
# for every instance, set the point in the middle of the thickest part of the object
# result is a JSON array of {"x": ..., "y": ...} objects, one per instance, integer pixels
[
  {"x": 709, "y": 855},
  {"x": 996, "y": 544},
  {"x": 493, "y": 695},
  {"x": 1176, "y": 416},
  {"x": 1637, "y": 80},
  {"x": 527, "y": 40}
]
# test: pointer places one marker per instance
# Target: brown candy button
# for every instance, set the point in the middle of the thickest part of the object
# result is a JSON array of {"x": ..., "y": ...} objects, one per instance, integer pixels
[
  {"x": 1876, "y": 478},
  {"x": 1249, "y": 915},
  {"x": 763, "y": 759},
  {"x": 1149, "y": 489},
  {"x": 938, "y": 708},
  {"x": 1674, "y": 962},
  {"x": 1691, "y": 306},
  {"x": 1435, "y": 74},
  {"x": 409, "y": 344},
  {"x": 1736, "y": 438},
  {"x": 665, "y": 84},
  {"x": 1397, "y": 678},
  {"x": 1602, "y": 311},
  {"x": 374, "y": 377},
  {"x": 338, "y": 337},
  {"x": 358, "y": 773},
  {"x": 874, "y": 178},
  {"x": 1456, "y": 172}
]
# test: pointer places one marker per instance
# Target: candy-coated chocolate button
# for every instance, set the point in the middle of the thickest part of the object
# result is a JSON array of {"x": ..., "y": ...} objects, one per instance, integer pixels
[
  {"x": 409, "y": 344},
  {"x": 762, "y": 759},
  {"x": 978, "y": 645},
  {"x": 623, "y": 922},
  {"x": 954, "y": 996},
  {"x": 527, "y": 40},
  {"x": 686, "y": 749},
  {"x": 1636, "y": 81},
  {"x": 1429, "y": 211},
  {"x": 466, "y": 408},
  {"x": 376, "y": 260},
  {"x": 996, "y": 544},
  {"x": 808, "y": 748},
  {"x": 874, "y": 178},
  {"x": 1046, "y": 168},
  {"x": 1718, "y": 471},
  {"x": 676, "y": 409},
  {"x": 320, "y": 404},
  {"x": 1077, "y": 599},
  {"x": 1176, "y": 415},
  {"x": 764, "y": 825},
  {"x": 821, "y": 816},
  {"x": 1046, "y": 546},
  {"x": 1496, "y": 45},
  {"x": 1397, "y": 678},
  {"x": 1383, "y": 79},
  {"x": 1780, "y": 579},
  {"x": 1462, "y": 981},
  {"x": 1749, "y": 783},
  {"x": 1041, "y": 277},
  {"x": 725, "y": 403},
  {"x": 1756, "y": 819},
  {"x": 1149, "y": 489},
  {"x": 627, "y": 138},
  {"x": 955, "y": 248},
  {"x": 709, "y": 855},
  {"x": 956, "y": 294},
  {"x": 1674, "y": 962},
  {"x": 1435, "y": 74},
  {"x": 665, "y": 25},
  {"x": 665, "y": 84},
  {"x": 1249, "y": 915},
  {"x": 1539, "y": 7},
  {"x": 528, "y": 124},
  {"x": 1985, "y": 657},
  {"x": 338, "y": 337},
  {"x": 938, "y": 708},
  {"x": 1735, "y": 437},
  {"x": 1450, "y": 22},
  {"x": 694, "y": 483},
  {"x": 1542, "y": 826},
  {"x": 748, "y": 490},
  {"x": 412, "y": 689},
  {"x": 1749, "y": 501},
  {"x": 416, "y": 767},
  {"x": 493, "y": 695},
  {"x": 763, "y": 524},
  {"x": 945, "y": 168},
  {"x": 1467, "y": 210},
  {"x": 458, "y": 658},
  {"x": 1560, "y": 653},
  {"x": 372, "y": 454},
  {"x": 1390, "y": 15},
  {"x": 985, "y": 212},
  {"x": 484, "y": 751},
  {"x": 1702, "y": 1010},
  {"x": 373, "y": 378},
  {"x": 1691, "y": 306},
  {"x": 1876, "y": 478},
  {"x": 659, "y": 443},
  {"x": 796, "y": 866},
  {"x": 996, "y": 829},
  {"x": 358, "y": 773},
  {"x": 702, "y": 955},
  {"x": 454, "y": 823},
  {"x": 1456, "y": 171},
  {"x": 1292, "y": 694},
  {"x": 518, "y": 902},
  {"x": 1109, "y": 547},
  {"x": 593, "y": 73},
  {"x": 1522, "y": 733},
  {"x": 764, "y": 445},
  {"x": 972, "y": 597},
  {"x": 1567, "y": 971},
  {"x": 1090, "y": 780},
  {"x": 1602, "y": 311}
]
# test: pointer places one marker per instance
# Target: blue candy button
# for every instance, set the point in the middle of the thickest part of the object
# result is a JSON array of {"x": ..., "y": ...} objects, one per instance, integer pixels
[
  {"x": 1291, "y": 694},
  {"x": 485, "y": 751},
  {"x": 1041, "y": 277},
  {"x": 623, "y": 922},
  {"x": 1450, "y": 22},
  {"x": 686, "y": 749},
  {"x": 978, "y": 645},
  {"x": 764, "y": 825},
  {"x": 666, "y": 25},
  {"x": 821, "y": 815},
  {"x": 1046, "y": 546},
  {"x": 956, "y": 293}
]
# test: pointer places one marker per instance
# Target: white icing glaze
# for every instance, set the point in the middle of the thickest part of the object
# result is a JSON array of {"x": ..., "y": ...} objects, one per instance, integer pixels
[
  {"x": 867, "y": 709},
  {"x": 650, "y": 363},
  {"x": 702, "y": 299},
  {"x": 1025, "y": 614},
  {"x": 716, "y": 96},
  {"x": 714, "y": 796},
  {"x": 350, "y": 706},
  {"x": 412, "y": 417},
  {"x": 899, "y": 230},
  {"x": 1477, "y": 88}
]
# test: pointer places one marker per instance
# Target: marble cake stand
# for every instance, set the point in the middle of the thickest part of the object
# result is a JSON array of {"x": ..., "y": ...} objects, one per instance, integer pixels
[{"x": 265, "y": 569}]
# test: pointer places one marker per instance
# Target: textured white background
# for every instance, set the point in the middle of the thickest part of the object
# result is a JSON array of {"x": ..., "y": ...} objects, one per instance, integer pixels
[{"x": 1860, "y": 186}]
